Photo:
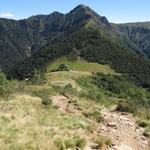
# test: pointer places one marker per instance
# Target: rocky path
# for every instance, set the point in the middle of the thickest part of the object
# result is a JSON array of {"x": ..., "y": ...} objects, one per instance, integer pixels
[
  {"x": 120, "y": 127},
  {"x": 123, "y": 131}
]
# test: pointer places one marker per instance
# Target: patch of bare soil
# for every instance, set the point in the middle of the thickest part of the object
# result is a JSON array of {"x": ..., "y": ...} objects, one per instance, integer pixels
[
  {"x": 63, "y": 103},
  {"x": 123, "y": 131},
  {"x": 121, "y": 128}
]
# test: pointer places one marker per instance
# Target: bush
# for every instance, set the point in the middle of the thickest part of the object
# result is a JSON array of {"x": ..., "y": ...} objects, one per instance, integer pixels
[
  {"x": 70, "y": 143},
  {"x": 44, "y": 94},
  {"x": 62, "y": 90},
  {"x": 17, "y": 86},
  {"x": 116, "y": 84},
  {"x": 125, "y": 106},
  {"x": 80, "y": 142},
  {"x": 143, "y": 123},
  {"x": 61, "y": 67},
  {"x": 101, "y": 86},
  {"x": 38, "y": 77},
  {"x": 4, "y": 85},
  {"x": 144, "y": 113},
  {"x": 136, "y": 98},
  {"x": 103, "y": 141},
  {"x": 94, "y": 95},
  {"x": 46, "y": 101},
  {"x": 73, "y": 143},
  {"x": 60, "y": 144},
  {"x": 91, "y": 91},
  {"x": 8, "y": 87},
  {"x": 94, "y": 115},
  {"x": 147, "y": 132}
]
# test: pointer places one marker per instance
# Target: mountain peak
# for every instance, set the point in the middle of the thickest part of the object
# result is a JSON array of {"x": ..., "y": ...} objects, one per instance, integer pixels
[
  {"x": 83, "y": 12},
  {"x": 81, "y": 6},
  {"x": 55, "y": 13}
]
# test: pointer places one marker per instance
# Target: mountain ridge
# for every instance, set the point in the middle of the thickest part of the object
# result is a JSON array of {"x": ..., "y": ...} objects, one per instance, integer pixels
[
  {"x": 34, "y": 33},
  {"x": 82, "y": 31}
]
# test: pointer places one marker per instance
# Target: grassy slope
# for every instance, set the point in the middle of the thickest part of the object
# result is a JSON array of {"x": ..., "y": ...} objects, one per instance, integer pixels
[
  {"x": 78, "y": 69},
  {"x": 81, "y": 65},
  {"x": 28, "y": 125},
  {"x": 25, "y": 123}
]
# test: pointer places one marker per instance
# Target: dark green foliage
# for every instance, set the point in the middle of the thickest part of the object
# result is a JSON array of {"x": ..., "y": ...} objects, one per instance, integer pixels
[
  {"x": 136, "y": 35},
  {"x": 94, "y": 115},
  {"x": 90, "y": 90},
  {"x": 92, "y": 47},
  {"x": 143, "y": 123},
  {"x": 20, "y": 39},
  {"x": 136, "y": 98},
  {"x": 119, "y": 58},
  {"x": 38, "y": 77},
  {"x": 62, "y": 67},
  {"x": 93, "y": 95},
  {"x": 4, "y": 86},
  {"x": 44, "y": 94},
  {"x": 147, "y": 132},
  {"x": 46, "y": 101},
  {"x": 124, "y": 106},
  {"x": 114, "y": 83},
  {"x": 7, "y": 88},
  {"x": 88, "y": 35},
  {"x": 101, "y": 87},
  {"x": 67, "y": 89}
]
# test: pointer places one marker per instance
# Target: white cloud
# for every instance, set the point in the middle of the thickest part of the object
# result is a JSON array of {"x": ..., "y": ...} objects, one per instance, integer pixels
[{"x": 6, "y": 15}]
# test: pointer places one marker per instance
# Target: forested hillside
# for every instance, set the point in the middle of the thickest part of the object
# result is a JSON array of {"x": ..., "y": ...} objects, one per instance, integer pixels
[
  {"x": 81, "y": 32},
  {"x": 136, "y": 33}
]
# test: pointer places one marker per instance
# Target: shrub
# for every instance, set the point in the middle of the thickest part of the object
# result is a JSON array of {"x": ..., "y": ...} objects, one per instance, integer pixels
[
  {"x": 38, "y": 77},
  {"x": 70, "y": 143},
  {"x": 60, "y": 144},
  {"x": 17, "y": 86},
  {"x": 116, "y": 84},
  {"x": 66, "y": 89},
  {"x": 94, "y": 95},
  {"x": 44, "y": 94},
  {"x": 73, "y": 143},
  {"x": 101, "y": 86},
  {"x": 126, "y": 106},
  {"x": 61, "y": 67},
  {"x": 91, "y": 91},
  {"x": 94, "y": 115},
  {"x": 147, "y": 132},
  {"x": 143, "y": 123},
  {"x": 46, "y": 101},
  {"x": 80, "y": 142},
  {"x": 7, "y": 87},
  {"x": 144, "y": 113},
  {"x": 103, "y": 141}
]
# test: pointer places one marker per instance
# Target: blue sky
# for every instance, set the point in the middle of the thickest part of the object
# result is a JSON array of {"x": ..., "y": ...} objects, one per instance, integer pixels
[{"x": 118, "y": 11}]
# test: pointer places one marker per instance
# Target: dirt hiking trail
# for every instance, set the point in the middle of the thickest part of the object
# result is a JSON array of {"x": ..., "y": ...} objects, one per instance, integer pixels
[{"x": 123, "y": 131}]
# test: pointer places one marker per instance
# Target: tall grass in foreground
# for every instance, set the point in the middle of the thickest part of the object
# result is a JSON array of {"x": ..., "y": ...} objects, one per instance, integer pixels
[{"x": 7, "y": 87}]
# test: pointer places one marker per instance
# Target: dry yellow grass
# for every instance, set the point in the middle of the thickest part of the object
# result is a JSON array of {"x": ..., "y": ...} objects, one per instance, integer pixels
[{"x": 26, "y": 124}]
